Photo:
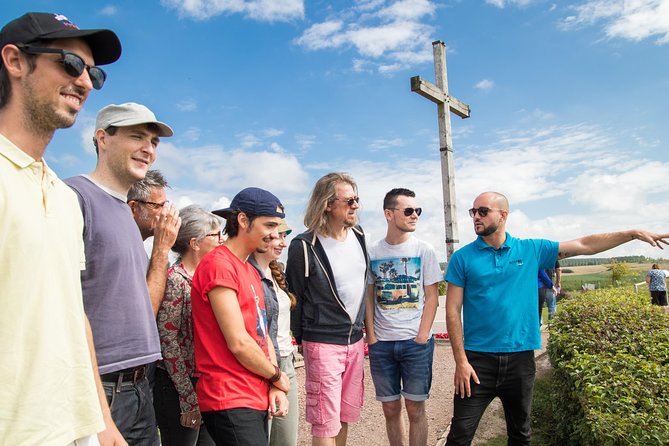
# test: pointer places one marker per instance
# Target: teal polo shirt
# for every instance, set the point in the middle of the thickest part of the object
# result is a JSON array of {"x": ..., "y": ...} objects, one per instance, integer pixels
[{"x": 501, "y": 304}]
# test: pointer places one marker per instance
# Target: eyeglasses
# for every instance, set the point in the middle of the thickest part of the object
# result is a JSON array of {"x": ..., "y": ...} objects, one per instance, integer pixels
[
  {"x": 408, "y": 212},
  {"x": 152, "y": 204},
  {"x": 218, "y": 234},
  {"x": 72, "y": 64},
  {"x": 482, "y": 211},
  {"x": 350, "y": 201}
]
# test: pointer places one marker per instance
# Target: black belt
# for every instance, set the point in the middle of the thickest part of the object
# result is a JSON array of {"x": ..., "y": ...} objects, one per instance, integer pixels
[{"x": 133, "y": 375}]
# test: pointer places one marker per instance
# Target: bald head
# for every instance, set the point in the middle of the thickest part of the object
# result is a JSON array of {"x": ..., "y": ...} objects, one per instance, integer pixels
[{"x": 495, "y": 199}]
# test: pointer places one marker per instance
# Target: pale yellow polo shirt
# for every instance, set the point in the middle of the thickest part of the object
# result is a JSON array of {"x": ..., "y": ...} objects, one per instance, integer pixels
[{"x": 47, "y": 389}]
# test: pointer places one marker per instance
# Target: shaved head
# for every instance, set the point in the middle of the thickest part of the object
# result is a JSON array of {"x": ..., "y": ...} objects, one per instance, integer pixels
[{"x": 495, "y": 199}]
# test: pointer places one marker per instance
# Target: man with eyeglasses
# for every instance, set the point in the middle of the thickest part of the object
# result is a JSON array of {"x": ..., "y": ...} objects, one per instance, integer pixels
[
  {"x": 49, "y": 388},
  {"x": 158, "y": 218},
  {"x": 402, "y": 300},
  {"x": 116, "y": 297},
  {"x": 493, "y": 282},
  {"x": 327, "y": 272}
]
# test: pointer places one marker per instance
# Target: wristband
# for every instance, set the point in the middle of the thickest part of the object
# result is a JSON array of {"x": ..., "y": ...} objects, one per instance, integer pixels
[{"x": 277, "y": 374}]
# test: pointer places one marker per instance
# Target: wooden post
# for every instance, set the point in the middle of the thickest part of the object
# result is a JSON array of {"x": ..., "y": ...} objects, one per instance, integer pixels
[{"x": 445, "y": 104}]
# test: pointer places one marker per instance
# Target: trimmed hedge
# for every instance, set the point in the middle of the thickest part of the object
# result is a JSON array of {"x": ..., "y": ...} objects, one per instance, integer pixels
[{"x": 610, "y": 354}]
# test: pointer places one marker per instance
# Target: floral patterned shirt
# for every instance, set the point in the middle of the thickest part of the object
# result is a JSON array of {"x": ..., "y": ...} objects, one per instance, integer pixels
[{"x": 175, "y": 326}]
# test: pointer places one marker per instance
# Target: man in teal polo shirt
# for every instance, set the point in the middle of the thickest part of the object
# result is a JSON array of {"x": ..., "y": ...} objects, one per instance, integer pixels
[{"x": 494, "y": 280}]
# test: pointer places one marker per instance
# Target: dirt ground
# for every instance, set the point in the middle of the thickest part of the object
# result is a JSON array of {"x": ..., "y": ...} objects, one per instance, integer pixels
[{"x": 371, "y": 430}]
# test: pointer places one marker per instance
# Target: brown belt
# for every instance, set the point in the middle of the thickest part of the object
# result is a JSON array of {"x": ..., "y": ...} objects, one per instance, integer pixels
[{"x": 133, "y": 375}]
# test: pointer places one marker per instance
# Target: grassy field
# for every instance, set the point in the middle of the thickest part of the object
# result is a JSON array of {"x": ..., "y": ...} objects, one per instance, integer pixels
[{"x": 600, "y": 275}]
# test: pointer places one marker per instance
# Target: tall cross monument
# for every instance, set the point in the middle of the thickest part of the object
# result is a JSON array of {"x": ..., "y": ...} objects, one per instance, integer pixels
[{"x": 445, "y": 104}]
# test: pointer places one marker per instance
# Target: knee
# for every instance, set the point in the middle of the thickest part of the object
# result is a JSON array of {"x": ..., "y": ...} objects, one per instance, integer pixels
[
  {"x": 392, "y": 409},
  {"x": 415, "y": 411}
]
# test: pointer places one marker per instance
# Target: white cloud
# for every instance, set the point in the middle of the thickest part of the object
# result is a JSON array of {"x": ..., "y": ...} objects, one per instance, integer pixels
[
  {"x": 305, "y": 142},
  {"x": 220, "y": 170},
  {"x": 272, "y": 133},
  {"x": 261, "y": 10},
  {"x": 109, "y": 10},
  {"x": 391, "y": 37},
  {"x": 187, "y": 105},
  {"x": 383, "y": 143},
  {"x": 505, "y": 3},
  {"x": 628, "y": 19},
  {"x": 485, "y": 85}
]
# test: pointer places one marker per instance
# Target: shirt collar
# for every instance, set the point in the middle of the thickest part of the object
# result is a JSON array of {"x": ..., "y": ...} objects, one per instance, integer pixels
[{"x": 508, "y": 243}]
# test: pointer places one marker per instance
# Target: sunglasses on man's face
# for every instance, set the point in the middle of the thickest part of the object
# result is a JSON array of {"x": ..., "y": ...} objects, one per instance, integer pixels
[
  {"x": 482, "y": 211},
  {"x": 349, "y": 201},
  {"x": 408, "y": 212},
  {"x": 72, "y": 64}
]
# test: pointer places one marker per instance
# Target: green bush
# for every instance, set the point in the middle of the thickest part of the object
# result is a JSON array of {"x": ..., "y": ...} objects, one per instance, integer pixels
[{"x": 610, "y": 386}]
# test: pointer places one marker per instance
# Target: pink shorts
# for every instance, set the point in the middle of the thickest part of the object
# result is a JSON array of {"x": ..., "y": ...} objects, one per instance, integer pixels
[{"x": 335, "y": 385}]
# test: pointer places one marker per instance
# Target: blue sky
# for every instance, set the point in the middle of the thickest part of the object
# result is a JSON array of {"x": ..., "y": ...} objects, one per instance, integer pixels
[{"x": 569, "y": 104}]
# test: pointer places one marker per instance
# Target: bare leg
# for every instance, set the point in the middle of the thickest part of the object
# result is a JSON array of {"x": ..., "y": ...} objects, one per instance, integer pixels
[
  {"x": 340, "y": 439},
  {"x": 417, "y": 423},
  {"x": 392, "y": 410}
]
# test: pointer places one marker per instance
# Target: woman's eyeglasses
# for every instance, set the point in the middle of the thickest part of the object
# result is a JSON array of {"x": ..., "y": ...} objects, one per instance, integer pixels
[
  {"x": 409, "y": 211},
  {"x": 482, "y": 211},
  {"x": 72, "y": 64},
  {"x": 218, "y": 234}
]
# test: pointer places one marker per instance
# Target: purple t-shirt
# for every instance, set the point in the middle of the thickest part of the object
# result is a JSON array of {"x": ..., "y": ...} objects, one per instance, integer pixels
[{"x": 116, "y": 297}]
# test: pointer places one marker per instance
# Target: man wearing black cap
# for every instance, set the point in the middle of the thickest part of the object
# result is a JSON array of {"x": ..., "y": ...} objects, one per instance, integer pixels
[
  {"x": 49, "y": 388},
  {"x": 116, "y": 297},
  {"x": 240, "y": 380}
]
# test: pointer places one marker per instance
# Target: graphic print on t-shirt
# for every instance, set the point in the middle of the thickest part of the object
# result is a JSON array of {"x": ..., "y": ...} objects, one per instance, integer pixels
[
  {"x": 261, "y": 319},
  {"x": 397, "y": 282}
]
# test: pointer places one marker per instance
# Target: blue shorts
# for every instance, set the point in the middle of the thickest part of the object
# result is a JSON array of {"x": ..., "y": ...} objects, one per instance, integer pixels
[{"x": 401, "y": 362}]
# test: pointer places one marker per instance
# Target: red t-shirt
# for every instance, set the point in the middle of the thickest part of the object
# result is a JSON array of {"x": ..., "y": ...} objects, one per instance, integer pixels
[{"x": 224, "y": 383}]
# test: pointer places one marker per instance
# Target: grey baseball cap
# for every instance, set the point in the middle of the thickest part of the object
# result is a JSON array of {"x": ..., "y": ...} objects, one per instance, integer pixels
[{"x": 130, "y": 113}]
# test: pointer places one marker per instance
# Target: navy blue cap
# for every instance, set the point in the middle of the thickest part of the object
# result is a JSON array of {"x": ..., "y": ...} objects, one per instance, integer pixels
[
  {"x": 104, "y": 43},
  {"x": 253, "y": 201}
]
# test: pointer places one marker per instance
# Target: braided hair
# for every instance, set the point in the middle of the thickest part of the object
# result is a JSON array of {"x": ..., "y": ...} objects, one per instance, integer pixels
[{"x": 277, "y": 274}]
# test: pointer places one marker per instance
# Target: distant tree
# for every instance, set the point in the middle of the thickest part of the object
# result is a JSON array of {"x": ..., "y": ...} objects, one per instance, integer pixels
[{"x": 618, "y": 271}]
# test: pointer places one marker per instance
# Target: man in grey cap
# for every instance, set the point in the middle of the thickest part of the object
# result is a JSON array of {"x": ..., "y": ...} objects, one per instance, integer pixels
[
  {"x": 116, "y": 297},
  {"x": 49, "y": 388}
]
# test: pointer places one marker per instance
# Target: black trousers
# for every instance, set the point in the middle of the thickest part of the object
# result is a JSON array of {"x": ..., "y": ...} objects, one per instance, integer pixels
[
  {"x": 509, "y": 376},
  {"x": 237, "y": 427}
]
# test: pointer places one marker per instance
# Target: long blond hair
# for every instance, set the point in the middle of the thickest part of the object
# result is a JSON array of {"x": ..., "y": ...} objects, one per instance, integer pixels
[{"x": 323, "y": 195}]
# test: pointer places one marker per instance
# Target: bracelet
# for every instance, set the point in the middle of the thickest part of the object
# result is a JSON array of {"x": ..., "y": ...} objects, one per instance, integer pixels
[{"x": 277, "y": 374}]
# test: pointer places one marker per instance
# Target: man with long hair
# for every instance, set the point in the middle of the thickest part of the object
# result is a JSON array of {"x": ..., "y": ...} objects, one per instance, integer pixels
[{"x": 327, "y": 270}]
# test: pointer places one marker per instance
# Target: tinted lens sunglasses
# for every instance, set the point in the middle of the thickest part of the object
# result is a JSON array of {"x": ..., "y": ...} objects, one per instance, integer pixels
[
  {"x": 349, "y": 201},
  {"x": 409, "y": 211},
  {"x": 72, "y": 64},
  {"x": 482, "y": 211}
]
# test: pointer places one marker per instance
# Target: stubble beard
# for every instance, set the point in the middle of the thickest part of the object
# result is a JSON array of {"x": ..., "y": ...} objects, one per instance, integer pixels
[{"x": 41, "y": 116}]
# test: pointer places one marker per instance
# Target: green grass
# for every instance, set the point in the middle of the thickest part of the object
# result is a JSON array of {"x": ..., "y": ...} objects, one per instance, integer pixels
[{"x": 572, "y": 282}]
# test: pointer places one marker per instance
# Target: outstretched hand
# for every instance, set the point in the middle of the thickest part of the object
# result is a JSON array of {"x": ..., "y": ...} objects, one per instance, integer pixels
[{"x": 653, "y": 239}]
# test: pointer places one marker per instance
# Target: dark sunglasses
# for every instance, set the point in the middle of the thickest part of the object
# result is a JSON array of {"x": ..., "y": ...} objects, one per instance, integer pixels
[
  {"x": 408, "y": 212},
  {"x": 72, "y": 64},
  {"x": 350, "y": 201},
  {"x": 482, "y": 211},
  {"x": 152, "y": 204}
]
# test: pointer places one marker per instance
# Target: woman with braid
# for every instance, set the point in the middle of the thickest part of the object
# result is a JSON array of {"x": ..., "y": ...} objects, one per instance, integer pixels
[{"x": 278, "y": 303}]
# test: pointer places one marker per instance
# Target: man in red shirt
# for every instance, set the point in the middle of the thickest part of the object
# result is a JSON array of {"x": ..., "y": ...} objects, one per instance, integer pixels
[{"x": 240, "y": 381}]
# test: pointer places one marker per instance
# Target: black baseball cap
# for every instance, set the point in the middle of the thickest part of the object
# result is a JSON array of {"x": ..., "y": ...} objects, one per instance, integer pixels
[
  {"x": 253, "y": 201},
  {"x": 32, "y": 26}
]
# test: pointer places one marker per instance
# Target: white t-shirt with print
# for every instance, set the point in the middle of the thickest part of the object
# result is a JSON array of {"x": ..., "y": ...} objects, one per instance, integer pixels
[{"x": 400, "y": 274}]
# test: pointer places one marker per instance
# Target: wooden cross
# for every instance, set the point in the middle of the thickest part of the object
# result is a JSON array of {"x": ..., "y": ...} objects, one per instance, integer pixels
[{"x": 445, "y": 103}]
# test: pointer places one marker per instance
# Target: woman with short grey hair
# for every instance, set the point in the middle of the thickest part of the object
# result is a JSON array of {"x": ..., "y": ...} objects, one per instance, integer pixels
[{"x": 177, "y": 411}]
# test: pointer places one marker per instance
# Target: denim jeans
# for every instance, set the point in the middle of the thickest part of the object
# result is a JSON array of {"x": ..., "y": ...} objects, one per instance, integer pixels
[
  {"x": 509, "y": 376},
  {"x": 168, "y": 416},
  {"x": 131, "y": 407},
  {"x": 546, "y": 295},
  {"x": 405, "y": 363},
  {"x": 237, "y": 427}
]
